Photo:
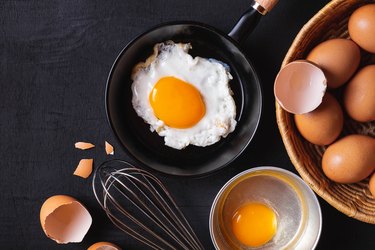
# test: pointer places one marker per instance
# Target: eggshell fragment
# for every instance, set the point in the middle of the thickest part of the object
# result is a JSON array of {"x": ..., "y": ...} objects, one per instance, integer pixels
[
  {"x": 372, "y": 184},
  {"x": 323, "y": 125},
  {"x": 64, "y": 219},
  {"x": 104, "y": 246},
  {"x": 84, "y": 168},
  {"x": 84, "y": 145},
  {"x": 349, "y": 160},
  {"x": 338, "y": 58},
  {"x": 299, "y": 87},
  {"x": 109, "y": 149}
]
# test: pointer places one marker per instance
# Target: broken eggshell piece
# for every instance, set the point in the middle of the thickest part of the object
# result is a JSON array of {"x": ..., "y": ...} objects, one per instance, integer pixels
[
  {"x": 300, "y": 86},
  {"x": 64, "y": 219},
  {"x": 109, "y": 148},
  {"x": 83, "y": 145},
  {"x": 104, "y": 246},
  {"x": 84, "y": 168}
]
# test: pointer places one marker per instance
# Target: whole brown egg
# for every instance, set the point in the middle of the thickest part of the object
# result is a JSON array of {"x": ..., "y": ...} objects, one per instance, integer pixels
[
  {"x": 338, "y": 58},
  {"x": 104, "y": 246},
  {"x": 361, "y": 27},
  {"x": 359, "y": 96},
  {"x": 350, "y": 159},
  {"x": 371, "y": 184},
  {"x": 324, "y": 124}
]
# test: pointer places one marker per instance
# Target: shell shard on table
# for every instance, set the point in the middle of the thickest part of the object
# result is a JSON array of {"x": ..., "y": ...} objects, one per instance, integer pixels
[
  {"x": 84, "y": 145},
  {"x": 84, "y": 168},
  {"x": 109, "y": 148}
]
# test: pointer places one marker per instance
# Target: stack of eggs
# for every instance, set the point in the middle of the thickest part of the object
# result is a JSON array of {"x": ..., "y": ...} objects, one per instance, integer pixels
[{"x": 300, "y": 88}]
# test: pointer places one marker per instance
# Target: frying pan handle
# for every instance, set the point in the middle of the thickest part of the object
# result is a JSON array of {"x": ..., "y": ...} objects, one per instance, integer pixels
[{"x": 250, "y": 19}]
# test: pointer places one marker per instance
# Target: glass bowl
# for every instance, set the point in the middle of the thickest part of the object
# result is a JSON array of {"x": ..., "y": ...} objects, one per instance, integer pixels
[{"x": 299, "y": 219}]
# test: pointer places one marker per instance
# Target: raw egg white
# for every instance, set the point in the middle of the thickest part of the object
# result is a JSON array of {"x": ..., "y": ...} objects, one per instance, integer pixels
[{"x": 184, "y": 99}]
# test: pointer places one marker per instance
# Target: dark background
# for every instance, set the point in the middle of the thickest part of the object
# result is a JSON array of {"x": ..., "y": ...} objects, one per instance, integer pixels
[{"x": 54, "y": 60}]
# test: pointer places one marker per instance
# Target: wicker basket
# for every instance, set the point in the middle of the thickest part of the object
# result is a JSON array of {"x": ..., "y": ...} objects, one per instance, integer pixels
[{"x": 354, "y": 200}]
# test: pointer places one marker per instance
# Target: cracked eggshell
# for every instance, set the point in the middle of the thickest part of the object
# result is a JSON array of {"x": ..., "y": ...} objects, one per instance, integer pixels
[
  {"x": 109, "y": 148},
  {"x": 84, "y": 168},
  {"x": 84, "y": 145},
  {"x": 104, "y": 246},
  {"x": 300, "y": 86},
  {"x": 64, "y": 219}
]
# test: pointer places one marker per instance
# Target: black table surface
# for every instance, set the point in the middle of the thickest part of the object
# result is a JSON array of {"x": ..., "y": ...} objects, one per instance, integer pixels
[{"x": 54, "y": 60}]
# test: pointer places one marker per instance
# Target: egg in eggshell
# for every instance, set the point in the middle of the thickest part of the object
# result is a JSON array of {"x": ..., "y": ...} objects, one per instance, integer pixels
[
  {"x": 361, "y": 27},
  {"x": 350, "y": 159},
  {"x": 338, "y": 58},
  {"x": 324, "y": 124},
  {"x": 104, "y": 246},
  {"x": 371, "y": 185},
  {"x": 359, "y": 96}
]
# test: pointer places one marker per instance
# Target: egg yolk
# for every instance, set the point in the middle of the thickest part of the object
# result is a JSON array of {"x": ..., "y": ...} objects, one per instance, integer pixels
[
  {"x": 254, "y": 224},
  {"x": 177, "y": 103}
]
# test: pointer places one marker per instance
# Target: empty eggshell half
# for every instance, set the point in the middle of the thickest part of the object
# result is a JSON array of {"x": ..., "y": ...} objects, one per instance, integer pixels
[
  {"x": 64, "y": 219},
  {"x": 104, "y": 246},
  {"x": 84, "y": 145},
  {"x": 84, "y": 168},
  {"x": 300, "y": 86}
]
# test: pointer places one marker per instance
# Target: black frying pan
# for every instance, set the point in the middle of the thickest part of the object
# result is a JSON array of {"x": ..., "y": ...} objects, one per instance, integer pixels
[{"x": 148, "y": 147}]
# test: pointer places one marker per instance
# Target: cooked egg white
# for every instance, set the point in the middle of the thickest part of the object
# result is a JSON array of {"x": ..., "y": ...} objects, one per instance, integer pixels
[{"x": 184, "y": 99}]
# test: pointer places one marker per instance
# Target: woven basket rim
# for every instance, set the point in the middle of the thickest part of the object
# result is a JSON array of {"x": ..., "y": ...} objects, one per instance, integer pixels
[{"x": 281, "y": 116}]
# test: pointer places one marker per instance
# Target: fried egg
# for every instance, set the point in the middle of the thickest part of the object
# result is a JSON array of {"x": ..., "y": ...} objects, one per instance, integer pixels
[{"x": 186, "y": 100}]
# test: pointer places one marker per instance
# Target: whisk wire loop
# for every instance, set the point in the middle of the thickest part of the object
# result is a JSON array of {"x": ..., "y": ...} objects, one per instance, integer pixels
[{"x": 138, "y": 203}]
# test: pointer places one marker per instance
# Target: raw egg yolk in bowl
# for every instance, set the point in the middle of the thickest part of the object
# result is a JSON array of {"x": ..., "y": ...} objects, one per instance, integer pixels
[{"x": 254, "y": 224}]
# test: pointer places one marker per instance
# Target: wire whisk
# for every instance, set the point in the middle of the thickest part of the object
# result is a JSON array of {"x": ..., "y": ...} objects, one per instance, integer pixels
[{"x": 139, "y": 204}]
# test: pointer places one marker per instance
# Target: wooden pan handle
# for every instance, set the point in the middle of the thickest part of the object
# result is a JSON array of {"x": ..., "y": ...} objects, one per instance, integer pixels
[
  {"x": 250, "y": 19},
  {"x": 266, "y": 5}
]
